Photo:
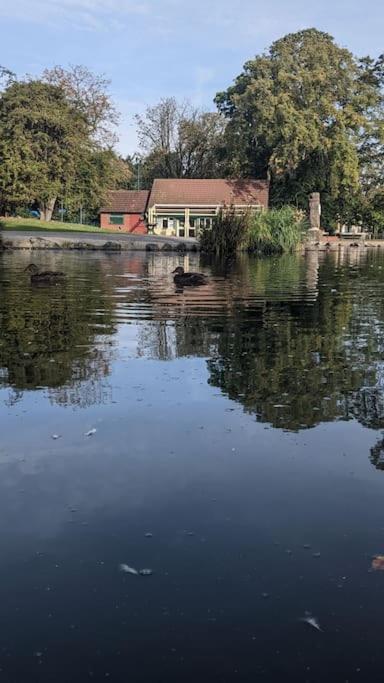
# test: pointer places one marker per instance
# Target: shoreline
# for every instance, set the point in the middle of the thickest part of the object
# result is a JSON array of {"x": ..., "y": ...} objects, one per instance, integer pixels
[{"x": 12, "y": 240}]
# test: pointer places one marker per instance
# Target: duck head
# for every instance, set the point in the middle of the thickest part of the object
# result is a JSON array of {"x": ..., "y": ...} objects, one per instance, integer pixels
[
  {"x": 32, "y": 268},
  {"x": 178, "y": 271}
]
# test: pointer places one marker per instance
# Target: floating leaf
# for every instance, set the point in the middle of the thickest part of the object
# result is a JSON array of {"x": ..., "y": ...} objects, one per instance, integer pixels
[{"x": 378, "y": 563}]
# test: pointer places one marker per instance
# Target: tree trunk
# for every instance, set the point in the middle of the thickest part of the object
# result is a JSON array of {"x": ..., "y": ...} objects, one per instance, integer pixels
[{"x": 46, "y": 209}]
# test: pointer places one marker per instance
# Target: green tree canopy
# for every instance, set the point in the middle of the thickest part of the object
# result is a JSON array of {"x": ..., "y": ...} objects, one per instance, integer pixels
[
  {"x": 55, "y": 143},
  {"x": 300, "y": 113},
  {"x": 42, "y": 141},
  {"x": 99, "y": 171}
]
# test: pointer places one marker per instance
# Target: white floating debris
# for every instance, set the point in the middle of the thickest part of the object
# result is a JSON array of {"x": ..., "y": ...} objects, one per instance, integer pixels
[
  {"x": 312, "y": 621},
  {"x": 128, "y": 570},
  {"x": 91, "y": 432}
]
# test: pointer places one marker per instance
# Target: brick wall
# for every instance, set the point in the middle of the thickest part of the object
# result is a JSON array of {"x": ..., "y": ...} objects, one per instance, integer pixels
[{"x": 133, "y": 223}]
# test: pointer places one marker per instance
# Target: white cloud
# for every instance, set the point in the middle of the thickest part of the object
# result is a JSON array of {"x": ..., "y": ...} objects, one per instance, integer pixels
[
  {"x": 217, "y": 20},
  {"x": 90, "y": 15},
  {"x": 203, "y": 23}
]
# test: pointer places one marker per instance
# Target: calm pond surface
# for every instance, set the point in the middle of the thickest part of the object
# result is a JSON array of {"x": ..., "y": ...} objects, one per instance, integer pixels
[{"x": 238, "y": 454}]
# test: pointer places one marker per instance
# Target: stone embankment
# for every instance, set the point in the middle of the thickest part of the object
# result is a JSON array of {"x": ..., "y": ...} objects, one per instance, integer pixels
[{"x": 94, "y": 242}]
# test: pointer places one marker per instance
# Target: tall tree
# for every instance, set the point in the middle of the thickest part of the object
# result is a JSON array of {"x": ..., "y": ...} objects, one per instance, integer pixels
[
  {"x": 179, "y": 141},
  {"x": 43, "y": 139},
  {"x": 298, "y": 113},
  {"x": 372, "y": 153},
  {"x": 89, "y": 94},
  {"x": 98, "y": 172}
]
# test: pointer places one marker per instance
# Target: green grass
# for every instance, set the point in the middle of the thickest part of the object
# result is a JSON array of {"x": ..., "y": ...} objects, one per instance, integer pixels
[{"x": 28, "y": 224}]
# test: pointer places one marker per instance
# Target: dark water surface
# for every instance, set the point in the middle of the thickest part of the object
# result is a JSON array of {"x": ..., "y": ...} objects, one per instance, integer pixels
[{"x": 240, "y": 424}]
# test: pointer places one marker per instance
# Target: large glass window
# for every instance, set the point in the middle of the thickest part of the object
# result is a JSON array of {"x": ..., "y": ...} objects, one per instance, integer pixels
[{"x": 116, "y": 219}]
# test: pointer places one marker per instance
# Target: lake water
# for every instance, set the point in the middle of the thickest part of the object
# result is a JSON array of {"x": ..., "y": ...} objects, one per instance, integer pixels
[{"x": 238, "y": 454}]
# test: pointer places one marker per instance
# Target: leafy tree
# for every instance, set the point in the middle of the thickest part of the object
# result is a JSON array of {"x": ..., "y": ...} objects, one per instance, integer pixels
[
  {"x": 43, "y": 139},
  {"x": 88, "y": 93},
  {"x": 298, "y": 113},
  {"x": 97, "y": 173},
  {"x": 179, "y": 141},
  {"x": 54, "y": 143}
]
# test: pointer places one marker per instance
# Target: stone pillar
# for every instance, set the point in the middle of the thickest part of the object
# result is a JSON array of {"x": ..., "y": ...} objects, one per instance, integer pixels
[{"x": 314, "y": 232}]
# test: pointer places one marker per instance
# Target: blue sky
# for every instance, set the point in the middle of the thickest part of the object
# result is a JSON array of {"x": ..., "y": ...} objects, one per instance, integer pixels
[{"x": 155, "y": 48}]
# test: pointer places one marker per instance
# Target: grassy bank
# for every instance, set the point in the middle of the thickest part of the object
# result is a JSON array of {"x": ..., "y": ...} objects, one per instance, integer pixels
[
  {"x": 28, "y": 224},
  {"x": 276, "y": 231}
]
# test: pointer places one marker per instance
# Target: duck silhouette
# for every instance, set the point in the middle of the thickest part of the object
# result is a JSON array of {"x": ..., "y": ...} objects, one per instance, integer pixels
[
  {"x": 183, "y": 279},
  {"x": 46, "y": 276}
]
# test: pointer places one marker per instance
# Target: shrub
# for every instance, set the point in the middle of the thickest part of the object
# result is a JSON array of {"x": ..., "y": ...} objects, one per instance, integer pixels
[
  {"x": 227, "y": 234},
  {"x": 276, "y": 230},
  {"x": 267, "y": 232}
]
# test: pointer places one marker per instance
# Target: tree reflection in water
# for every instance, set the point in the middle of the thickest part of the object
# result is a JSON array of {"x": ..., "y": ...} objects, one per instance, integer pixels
[
  {"x": 295, "y": 340},
  {"x": 48, "y": 334},
  {"x": 377, "y": 455}
]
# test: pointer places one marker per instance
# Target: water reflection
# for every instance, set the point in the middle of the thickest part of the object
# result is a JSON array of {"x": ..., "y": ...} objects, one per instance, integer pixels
[
  {"x": 52, "y": 337},
  {"x": 296, "y": 340},
  {"x": 245, "y": 526},
  {"x": 377, "y": 455}
]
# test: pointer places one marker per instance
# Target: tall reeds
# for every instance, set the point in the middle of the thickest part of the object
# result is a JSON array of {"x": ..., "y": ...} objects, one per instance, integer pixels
[
  {"x": 228, "y": 233},
  {"x": 269, "y": 232},
  {"x": 276, "y": 231}
]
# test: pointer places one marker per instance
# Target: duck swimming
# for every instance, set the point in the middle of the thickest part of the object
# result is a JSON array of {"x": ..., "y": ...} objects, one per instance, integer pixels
[
  {"x": 46, "y": 276},
  {"x": 183, "y": 279}
]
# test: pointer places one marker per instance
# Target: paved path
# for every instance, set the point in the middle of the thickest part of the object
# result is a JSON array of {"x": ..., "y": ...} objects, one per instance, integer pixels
[{"x": 30, "y": 239}]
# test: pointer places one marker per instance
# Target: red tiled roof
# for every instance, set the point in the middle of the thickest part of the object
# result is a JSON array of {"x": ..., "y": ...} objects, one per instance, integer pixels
[
  {"x": 126, "y": 201},
  {"x": 211, "y": 192}
]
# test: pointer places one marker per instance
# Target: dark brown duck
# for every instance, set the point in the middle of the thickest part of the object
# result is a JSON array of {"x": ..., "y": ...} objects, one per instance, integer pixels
[{"x": 183, "y": 279}]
